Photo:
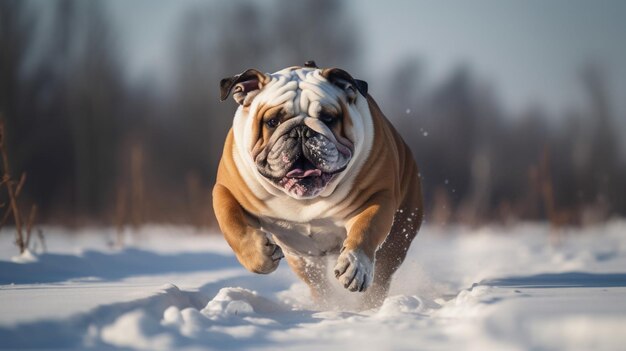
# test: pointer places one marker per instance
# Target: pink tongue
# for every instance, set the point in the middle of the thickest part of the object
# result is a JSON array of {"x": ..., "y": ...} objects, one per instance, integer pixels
[{"x": 299, "y": 173}]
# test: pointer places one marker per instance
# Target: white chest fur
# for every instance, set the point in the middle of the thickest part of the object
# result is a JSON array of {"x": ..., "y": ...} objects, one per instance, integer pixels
[{"x": 315, "y": 238}]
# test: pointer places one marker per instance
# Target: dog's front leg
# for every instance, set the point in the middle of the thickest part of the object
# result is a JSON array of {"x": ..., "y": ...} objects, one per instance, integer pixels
[
  {"x": 251, "y": 246},
  {"x": 365, "y": 232}
]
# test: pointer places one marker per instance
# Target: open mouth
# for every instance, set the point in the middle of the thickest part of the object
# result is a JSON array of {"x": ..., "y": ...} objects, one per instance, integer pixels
[{"x": 304, "y": 179}]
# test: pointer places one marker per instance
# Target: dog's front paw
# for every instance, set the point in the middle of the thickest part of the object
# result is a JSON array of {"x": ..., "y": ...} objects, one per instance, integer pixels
[
  {"x": 259, "y": 254},
  {"x": 354, "y": 270}
]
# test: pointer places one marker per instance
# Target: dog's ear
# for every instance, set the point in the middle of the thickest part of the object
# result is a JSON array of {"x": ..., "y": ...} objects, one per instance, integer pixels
[
  {"x": 344, "y": 80},
  {"x": 244, "y": 86}
]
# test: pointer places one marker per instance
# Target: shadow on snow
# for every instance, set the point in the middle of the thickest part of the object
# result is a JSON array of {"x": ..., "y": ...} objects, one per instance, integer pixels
[
  {"x": 52, "y": 268},
  {"x": 561, "y": 280}
]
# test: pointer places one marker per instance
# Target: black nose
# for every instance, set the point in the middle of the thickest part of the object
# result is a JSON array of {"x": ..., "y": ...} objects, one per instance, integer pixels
[{"x": 302, "y": 132}]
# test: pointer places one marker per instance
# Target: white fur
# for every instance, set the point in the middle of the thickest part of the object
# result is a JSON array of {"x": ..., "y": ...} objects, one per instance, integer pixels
[
  {"x": 302, "y": 91},
  {"x": 356, "y": 270}
]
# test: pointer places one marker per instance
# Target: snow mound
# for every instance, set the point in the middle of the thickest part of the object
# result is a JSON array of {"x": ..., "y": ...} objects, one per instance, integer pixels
[
  {"x": 25, "y": 257},
  {"x": 239, "y": 301},
  {"x": 399, "y": 305},
  {"x": 136, "y": 329}
]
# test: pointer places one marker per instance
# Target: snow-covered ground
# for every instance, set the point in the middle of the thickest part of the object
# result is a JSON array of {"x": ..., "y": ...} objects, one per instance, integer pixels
[{"x": 495, "y": 288}]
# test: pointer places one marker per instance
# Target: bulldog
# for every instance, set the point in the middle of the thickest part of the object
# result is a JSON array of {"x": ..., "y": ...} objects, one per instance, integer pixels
[{"x": 312, "y": 171}]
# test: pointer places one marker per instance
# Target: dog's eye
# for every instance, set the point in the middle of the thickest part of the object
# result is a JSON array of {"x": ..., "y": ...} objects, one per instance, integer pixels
[
  {"x": 327, "y": 119},
  {"x": 273, "y": 122}
]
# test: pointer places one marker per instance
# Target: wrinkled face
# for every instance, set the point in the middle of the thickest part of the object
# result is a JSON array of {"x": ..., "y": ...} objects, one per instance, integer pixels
[
  {"x": 301, "y": 152},
  {"x": 298, "y": 131}
]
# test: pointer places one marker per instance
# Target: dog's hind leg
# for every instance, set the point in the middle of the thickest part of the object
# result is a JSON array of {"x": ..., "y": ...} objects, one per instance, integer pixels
[
  {"x": 390, "y": 256},
  {"x": 392, "y": 252},
  {"x": 313, "y": 272}
]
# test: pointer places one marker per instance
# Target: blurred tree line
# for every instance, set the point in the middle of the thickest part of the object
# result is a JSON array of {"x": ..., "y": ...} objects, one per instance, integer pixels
[
  {"x": 480, "y": 163},
  {"x": 98, "y": 149}
]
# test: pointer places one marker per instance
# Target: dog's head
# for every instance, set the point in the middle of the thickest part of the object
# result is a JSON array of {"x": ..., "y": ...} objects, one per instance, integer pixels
[{"x": 296, "y": 125}]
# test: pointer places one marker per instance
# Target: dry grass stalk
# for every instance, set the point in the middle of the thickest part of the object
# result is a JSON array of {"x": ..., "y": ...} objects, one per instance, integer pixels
[
  {"x": 17, "y": 192},
  {"x": 120, "y": 214},
  {"x": 13, "y": 192},
  {"x": 14, "y": 189},
  {"x": 137, "y": 204},
  {"x": 130, "y": 201},
  {"x": 558, "y": 217},
  {"x": 42, "y": 240},
  {"x": 30, "y": 223},
  {"x": 20, "y": 184}
]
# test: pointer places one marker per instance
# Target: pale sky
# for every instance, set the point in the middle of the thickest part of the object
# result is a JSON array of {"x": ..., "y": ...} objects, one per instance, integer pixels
[{"x": 530, "y": 51}]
